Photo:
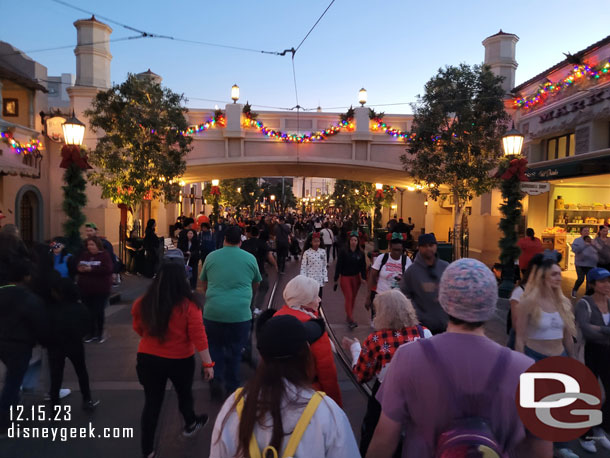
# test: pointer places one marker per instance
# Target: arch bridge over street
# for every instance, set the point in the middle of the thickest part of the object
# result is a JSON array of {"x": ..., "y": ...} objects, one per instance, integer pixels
[{"x": 361, "y": 152}]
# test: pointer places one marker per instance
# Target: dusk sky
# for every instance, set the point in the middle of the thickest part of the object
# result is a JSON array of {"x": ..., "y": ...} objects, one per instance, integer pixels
[{"x": 391, "y": 48}]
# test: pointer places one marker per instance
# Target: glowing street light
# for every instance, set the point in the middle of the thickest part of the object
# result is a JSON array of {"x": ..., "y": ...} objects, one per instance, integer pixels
[
  {"x": 215, "y": 182},
  {"x": 235, "y": 93},
  {"x": 512, "y": 142},
  {"x": 362, "y": 96},
  {"x": 74, "y": 131}
]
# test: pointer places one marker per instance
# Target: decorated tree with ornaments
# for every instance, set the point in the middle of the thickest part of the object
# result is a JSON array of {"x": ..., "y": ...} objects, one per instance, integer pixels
[
  {"x": 142, "y": 153},
  {"x": 455, "y": 140}
]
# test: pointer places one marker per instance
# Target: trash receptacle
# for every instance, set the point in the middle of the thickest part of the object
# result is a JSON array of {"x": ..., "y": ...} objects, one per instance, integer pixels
[{"x": 445, "y": 251}]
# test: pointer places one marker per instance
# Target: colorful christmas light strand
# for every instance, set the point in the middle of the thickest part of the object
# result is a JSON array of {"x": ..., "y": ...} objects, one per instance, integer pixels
[
  {"x": 27, "y": 148},
  {"x": 294, "y": 138},
  {"x": 578, "y": 73}
]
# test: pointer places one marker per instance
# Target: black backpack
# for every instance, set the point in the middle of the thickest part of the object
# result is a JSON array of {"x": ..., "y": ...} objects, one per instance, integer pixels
[{"x": 386, "y": 256}]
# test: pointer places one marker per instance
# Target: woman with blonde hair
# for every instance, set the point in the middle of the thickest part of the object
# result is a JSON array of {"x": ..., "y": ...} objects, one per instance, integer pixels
[
  {"x": 395, "y": 324},
  {"x": 545, "y": 324}
]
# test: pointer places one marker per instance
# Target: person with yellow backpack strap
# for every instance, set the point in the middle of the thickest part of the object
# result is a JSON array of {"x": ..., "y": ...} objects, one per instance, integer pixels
[{"x": 277, "y": 414}]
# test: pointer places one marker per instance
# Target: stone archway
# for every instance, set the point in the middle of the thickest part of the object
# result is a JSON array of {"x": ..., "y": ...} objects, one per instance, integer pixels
[{"x": 29, "y": 213}]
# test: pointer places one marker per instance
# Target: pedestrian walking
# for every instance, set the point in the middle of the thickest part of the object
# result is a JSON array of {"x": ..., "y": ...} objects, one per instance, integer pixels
[
  {"x": 189, "y": 245},
  {"x": 69, "y": 324},
  {"x": 230, "y": 277},
  {"x": 328, "y": 239},
  {"x": 387, "y": 271},
  {"x": 545, "y": 323},
  {"x": 151, "y": 249},
  {"x": 585, "y": 258},
  {"x": 95, "y": 284},
  {"x": 602, "y": 244},
  {"x": 420, "y": 284},
  {"x": 593, "y": 318},
  {"x": 277, "y": 413},
  {"x": 302, "y": 301},
  {"x": 259, "y": 249},
  {"x": 396, "y": 324},
  {"x": 23, "y": 322},
  {"x": 349, "y": 272},
  {"x": 529, "y": 246},
  {"x": 206, "y": 242},
  {"x": 427, "y": 391},
  {"x": 314, "y": 263},
  {"x": 282, "y": 242},
  {"x": 170, "y": 325}
]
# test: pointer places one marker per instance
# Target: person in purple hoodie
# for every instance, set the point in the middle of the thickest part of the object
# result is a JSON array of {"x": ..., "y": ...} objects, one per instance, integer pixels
[{"x": 95, "y": 283}]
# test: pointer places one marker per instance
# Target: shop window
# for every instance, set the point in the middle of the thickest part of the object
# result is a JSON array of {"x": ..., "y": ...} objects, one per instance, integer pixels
[{"x": 560, "y": 147}]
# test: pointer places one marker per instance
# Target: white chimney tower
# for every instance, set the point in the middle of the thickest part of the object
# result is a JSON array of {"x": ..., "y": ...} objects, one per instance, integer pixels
[
  {"x": 93, "y": 53},
  {"x": 500, "y": 56}
]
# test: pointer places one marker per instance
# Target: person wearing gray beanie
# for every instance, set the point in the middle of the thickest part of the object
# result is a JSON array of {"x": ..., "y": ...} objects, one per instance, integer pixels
[{"x": 427, "y": 386}]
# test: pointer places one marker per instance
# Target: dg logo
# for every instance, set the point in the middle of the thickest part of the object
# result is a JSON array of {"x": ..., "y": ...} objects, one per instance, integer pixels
[{"x": 559, "y": 399}]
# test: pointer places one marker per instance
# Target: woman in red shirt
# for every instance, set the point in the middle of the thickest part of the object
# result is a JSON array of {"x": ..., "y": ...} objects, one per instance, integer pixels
[
  {"x": 171, "y": 327},
  {"x": 302, "y": 300}
]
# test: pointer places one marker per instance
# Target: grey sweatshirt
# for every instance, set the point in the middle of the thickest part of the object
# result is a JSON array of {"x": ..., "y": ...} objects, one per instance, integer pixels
[
  {"x": 588, "y": 314},
  {"x": 585, "y": 255},
  {"x": 420, "y": 284}
]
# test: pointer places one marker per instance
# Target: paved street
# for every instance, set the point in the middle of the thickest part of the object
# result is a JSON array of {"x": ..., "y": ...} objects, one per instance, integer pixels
[{"x": 114, "y": 381}]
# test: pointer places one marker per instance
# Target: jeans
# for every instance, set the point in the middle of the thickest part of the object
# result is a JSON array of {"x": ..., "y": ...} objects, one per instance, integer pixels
[
  {"x": 349, "y": 286},
  {"x": 328, "y": 249},
  {"x": 582, "y": 272},
  {"x": 153, "y": 372},
  {"x": 16, "y": 357},
  {"x": 96, "y": 305},
  {"x": 227, "y": 341},
  {"x": 75, "y": 352}
]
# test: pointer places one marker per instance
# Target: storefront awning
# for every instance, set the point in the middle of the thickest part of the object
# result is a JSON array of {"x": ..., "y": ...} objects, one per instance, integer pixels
[
  {"x": 10, "y": 164},
  {"x": 599, "y": 165}
]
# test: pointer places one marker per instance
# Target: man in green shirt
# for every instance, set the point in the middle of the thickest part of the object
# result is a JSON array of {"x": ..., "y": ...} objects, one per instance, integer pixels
[{"x": 230, "y": 276}]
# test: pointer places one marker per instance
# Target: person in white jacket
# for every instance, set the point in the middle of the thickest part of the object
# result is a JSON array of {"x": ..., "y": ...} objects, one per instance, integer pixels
[{"x": 277, "y": 411}]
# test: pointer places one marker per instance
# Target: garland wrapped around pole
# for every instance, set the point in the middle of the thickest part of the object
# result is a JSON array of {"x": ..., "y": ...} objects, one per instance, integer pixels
[
  {"x": 74, "y": 160},
  {"x": 511, "y": 174}
]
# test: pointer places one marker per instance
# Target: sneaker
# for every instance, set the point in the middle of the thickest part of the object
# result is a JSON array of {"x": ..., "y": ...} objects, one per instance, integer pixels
[
  {"x": 200, "y": 422},
  {"x": 566, "y": 453},
  {"x": 91, "y": 405},
  {"x": 353, "y": 325},
  {"x": 601, "y": 438},
  {"x": 63, "y": 392},
  {"x": 102, "y": 339},
  {"x": 89, "y": 339},
  {"x": 573, "y": 294}
]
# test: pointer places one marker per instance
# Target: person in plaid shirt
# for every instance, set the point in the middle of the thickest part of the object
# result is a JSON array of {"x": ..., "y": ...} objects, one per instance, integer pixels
[{"x": 396, "y": 324}]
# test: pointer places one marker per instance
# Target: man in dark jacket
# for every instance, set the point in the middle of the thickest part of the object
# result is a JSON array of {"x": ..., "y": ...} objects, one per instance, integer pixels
[
  {"x": 420, "y": 284},
  {"x": 282, "y": 242},
  {"x": 23, "y": 322}
]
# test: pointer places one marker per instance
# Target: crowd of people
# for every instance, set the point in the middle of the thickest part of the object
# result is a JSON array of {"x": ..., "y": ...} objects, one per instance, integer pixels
[{"x": 427, "y": 352}]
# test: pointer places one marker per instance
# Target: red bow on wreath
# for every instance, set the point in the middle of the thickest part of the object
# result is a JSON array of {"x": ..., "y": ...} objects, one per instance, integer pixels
[
  {"x": 517, "y": 169},
  {"x": 379, "y": 194},
  {"x": 215, "y": 191},
  {"x": 72, "y": 154}
]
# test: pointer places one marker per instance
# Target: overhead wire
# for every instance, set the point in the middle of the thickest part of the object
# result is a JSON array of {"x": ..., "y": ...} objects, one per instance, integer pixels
[
  {"x": 91, "y": 43},
  {"x": 145, "y": 34}
]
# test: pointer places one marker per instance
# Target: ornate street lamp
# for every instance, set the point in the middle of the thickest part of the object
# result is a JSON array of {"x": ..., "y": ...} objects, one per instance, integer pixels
[
  {"x": 511, "y": 174},
  {"x": 74, "y": 131},
  {"x": 235, "y": 93},
  {"x": 362, "y": 96},
  {"x": 512, "y": 142}
]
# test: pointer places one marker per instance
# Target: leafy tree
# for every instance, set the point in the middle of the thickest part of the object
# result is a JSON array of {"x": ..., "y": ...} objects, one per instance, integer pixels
[
  {"x": 142, "y": 153},
  {"x": 458, "y": 124}
]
